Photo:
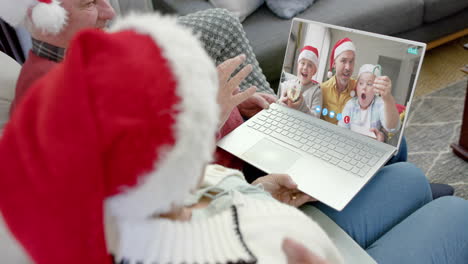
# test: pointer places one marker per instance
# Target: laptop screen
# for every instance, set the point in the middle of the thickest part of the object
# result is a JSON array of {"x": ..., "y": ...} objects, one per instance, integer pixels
[{"x": 357, "y": 80}]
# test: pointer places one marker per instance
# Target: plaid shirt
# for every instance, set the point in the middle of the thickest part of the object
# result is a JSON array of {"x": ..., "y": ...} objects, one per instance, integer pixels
[
  {"x": 377, "y": 115},
  {"x": 47, "y": 51}
]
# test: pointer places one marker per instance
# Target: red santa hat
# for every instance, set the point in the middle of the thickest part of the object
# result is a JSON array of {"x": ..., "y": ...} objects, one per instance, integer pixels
[
  {"x": 46, "y": 15},
  {"x": 340, "y": 46},
  {"x": 126, "y": 122},
  {"x": 309, "y": 53}
]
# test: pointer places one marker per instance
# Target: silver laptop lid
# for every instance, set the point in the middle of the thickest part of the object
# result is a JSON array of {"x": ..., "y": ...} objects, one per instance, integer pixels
[{"x": 399, "y": 59}]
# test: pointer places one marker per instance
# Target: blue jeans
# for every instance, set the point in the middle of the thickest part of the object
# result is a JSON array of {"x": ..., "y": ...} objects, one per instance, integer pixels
[
  {"x": 436, "y": 233},
  {"x": 384, "y": 217},
  {"x": 402, "y": 154}
]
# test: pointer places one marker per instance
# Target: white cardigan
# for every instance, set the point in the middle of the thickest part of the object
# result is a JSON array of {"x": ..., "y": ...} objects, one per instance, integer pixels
[{"x": 243, "y": 224}]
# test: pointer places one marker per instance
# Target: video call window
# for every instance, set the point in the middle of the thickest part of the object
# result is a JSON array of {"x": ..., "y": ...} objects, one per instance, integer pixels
[{"x": 359, "y": 81}]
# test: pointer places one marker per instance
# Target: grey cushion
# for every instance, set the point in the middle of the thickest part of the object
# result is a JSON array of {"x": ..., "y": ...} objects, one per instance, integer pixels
[
  {"x": 440, "y": 28},
  {"x": 181, "y": 7},
  {"x": 288, "y": 9},
  {"x": 437, "y": 9}
]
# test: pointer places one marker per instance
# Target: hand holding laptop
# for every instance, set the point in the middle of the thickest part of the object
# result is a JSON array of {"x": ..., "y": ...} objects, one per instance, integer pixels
[
  {"x": 255, "y": 104},
  {"x": 283, "y": 188}
]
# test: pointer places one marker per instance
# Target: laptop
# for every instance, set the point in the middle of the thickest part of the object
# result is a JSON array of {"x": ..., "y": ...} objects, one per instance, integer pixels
[{"x": 329, "y": 162}]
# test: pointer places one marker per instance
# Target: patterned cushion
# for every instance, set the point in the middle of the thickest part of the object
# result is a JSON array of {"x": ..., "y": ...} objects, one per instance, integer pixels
[{"x": 223, "y": 38}]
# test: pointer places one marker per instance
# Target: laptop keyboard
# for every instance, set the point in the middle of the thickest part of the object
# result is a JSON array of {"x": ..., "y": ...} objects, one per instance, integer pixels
[{"x": 337, "y": 149}]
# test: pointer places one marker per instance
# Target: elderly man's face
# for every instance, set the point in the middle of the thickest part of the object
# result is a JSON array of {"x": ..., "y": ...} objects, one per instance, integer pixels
[
  {"x": 84, "y": 14},
  {"x": 344, "y": 66}
]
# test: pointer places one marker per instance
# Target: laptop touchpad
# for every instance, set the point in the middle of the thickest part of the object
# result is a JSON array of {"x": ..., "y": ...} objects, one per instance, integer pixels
[{"x": 270, "y": 156}]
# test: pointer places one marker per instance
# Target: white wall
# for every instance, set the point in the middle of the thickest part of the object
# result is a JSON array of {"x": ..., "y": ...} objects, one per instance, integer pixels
[
  {"x": 369, "y": 49},
  {"x": 309, "y": 34}
]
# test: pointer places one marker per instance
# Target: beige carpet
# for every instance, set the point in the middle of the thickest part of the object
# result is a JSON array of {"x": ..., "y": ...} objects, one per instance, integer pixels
[
  {"x": 435, "y": 121},
  {"x": 433, "y": 125},
  {"x": 441, "y": 66}
]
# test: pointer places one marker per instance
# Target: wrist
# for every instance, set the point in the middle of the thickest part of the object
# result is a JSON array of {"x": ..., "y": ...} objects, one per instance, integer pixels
[{"x": 388, "y": 99}]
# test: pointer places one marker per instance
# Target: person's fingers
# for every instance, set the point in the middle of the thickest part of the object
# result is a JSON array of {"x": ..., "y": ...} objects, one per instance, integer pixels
[
  {"x": 226, "y": 68},
  {"x": 383, "y": 82},
  {"x": 298, "y": 254},
  {"x": 268, "y": 97},
  {"x": 260, "y": 101},
  {"x": 378, "y": 134},
  {"x": 236, "y": 91},
  {"x": 283, "y": 100},
  {"x": 285, "y": 180},
  {"x": 240, "y": 76},
  {"x": 242, "y": 96},
  {"x": 383, "y": 78},
  {"x": 379, "y": 91},
  {"x": 301, "y": 198}
]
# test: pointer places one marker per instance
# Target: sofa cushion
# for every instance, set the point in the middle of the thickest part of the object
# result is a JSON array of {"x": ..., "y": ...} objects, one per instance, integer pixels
[
  {"x": 288, "y": 9},
  {"x": 437, "y": 29},
  {"x": 181, "y": 7},
  {"x": 437, "y": 9},
  {"x": 268, "y": 34},
  {"x": 240, "y": 8}
]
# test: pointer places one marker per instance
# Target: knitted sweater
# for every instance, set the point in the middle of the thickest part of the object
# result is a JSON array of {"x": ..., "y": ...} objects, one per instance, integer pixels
[
  {"x": 243, "y": 224},
  {"x": 223, "y": 157}
]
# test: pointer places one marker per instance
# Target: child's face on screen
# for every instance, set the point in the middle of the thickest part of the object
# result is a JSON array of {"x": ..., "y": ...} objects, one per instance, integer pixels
[
  {"x": 305, "y": 70},
  {"x": 365, "y": 89}
]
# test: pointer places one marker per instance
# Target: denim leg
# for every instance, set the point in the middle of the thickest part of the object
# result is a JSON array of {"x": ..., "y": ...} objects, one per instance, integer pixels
[
  {"x": 392, "y": 195},
  {"x": 436, "y": 233},
  {"x": 402, "y": 154}
]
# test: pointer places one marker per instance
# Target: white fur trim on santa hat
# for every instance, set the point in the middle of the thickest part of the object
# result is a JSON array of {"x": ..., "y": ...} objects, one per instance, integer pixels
[
  {"x": 309, "y": 55},
  {"x": 178, "y": 171},
  {"x": 371, "y": 68},
  {"x": 50, "y": 18},
  {"x": 345, "y": 46}
]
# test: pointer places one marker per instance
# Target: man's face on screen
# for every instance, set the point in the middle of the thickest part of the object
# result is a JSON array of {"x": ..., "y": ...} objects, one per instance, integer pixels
[{"x": 344, "y": 66}]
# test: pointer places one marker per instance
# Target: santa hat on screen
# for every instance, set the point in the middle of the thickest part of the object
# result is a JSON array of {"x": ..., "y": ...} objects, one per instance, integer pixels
[
  {"x": 371, "y": 68},
  {"x": 46, "y": 15},
  {"x": 127, "y": 123},
  {"x": 309, "y": 53},
  {"x": 340, "y": 46}
]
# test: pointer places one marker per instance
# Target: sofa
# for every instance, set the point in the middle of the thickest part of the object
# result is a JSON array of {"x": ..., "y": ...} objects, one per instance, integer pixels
[{"x": 420, "y": 20}]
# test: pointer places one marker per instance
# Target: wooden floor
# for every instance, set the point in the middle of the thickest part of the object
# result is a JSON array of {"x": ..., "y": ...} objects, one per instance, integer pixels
[{"x": 441, "y": 66}]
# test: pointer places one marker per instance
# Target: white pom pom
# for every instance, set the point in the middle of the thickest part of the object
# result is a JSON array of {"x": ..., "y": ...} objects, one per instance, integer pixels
[
  {"x": 329, "y": 74},
  {"x": 352, "y": 93},
  {"x": 50, "y": 18}
]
